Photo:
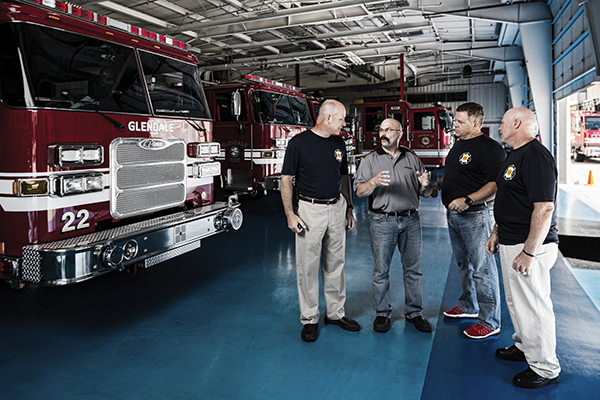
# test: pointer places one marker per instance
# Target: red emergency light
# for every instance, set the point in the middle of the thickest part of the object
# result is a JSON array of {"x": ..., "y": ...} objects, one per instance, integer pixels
[
  {"x": 266, "y": 81},
  {"x": 101, "y": 19}
]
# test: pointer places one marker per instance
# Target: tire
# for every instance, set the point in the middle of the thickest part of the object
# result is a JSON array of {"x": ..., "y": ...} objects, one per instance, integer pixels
[{"x": 578, "y": 157}]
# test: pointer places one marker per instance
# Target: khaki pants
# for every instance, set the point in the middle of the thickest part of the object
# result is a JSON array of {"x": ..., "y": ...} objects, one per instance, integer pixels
[
  {"x": 530, "y": 306},
  {"x": 323, "y": 240}
]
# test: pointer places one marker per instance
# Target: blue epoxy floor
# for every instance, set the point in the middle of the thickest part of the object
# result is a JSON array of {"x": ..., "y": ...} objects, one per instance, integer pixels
[{"x": 222, "y": 323}]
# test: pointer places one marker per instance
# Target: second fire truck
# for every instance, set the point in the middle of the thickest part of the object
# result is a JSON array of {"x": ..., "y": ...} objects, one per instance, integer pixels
[
  {"x": 427, "y": 130},
  {"x": 585, "y": 131},
  {"x": 253, "y": 121}
]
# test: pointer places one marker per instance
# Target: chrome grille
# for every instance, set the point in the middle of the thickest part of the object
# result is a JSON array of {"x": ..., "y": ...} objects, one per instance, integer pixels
[
  {"x": 32, "y": 265},
  {"x": 147, "y": 175}
]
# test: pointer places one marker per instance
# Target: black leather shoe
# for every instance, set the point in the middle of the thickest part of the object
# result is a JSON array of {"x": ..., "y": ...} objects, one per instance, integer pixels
[
  {"x": 420, "y": 323},
  {"x": 382, "y": 324},
  {"x": 344, "y": 323},
  {"x": 310, "y": 332},
  {"x": 528, "y": 379},
  {"x": 511, "y": 353}
]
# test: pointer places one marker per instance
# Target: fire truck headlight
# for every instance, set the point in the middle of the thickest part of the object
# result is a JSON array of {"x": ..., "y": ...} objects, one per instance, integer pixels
[
  {"x": 209, "y": 149},
  {"x": 78, "y": 184},
  {"x": 73, "y": 185},
  {"x": 280, "y": 142},
  {"x": 92, "y": 155},
  {"x": 31, "y": 187},
  {"x": 279, "y": 153},
  {"x": 267, "y": 154},
  {"x": 94, "y": 183},
  {"x": 74, "y": 155},
  {"x": 208, "y": 169}
]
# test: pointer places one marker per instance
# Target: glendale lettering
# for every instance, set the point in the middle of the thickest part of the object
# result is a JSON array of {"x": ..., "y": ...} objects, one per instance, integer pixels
[{"x": 136, "y": 126}]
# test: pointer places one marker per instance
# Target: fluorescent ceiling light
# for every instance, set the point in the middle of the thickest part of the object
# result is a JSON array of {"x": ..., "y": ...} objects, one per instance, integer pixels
[
  {"x": 235, "y": 3},
  {"x": 135, "y": 14},
  {"x": 271, "y": 49},
  {"x": 179, "y": 10},
  {"x": 172, "y": 7},
  {"x": 190, "y": 33},
  {"x": 243, "y": 37},
  {"x": 319, "y": 44}
]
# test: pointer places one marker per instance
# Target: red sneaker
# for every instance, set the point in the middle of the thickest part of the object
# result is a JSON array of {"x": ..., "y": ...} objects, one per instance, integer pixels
[
  {"x": 457, "y": 313},
  {"x": 479, "y": 331}
]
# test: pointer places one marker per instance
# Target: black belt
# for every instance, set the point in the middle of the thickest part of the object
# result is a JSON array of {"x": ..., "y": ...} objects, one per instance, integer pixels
[
  {"x": 319, "y": 201},
  {"x": 480, "y": 205},
  {"x": 406, "y": 213}
]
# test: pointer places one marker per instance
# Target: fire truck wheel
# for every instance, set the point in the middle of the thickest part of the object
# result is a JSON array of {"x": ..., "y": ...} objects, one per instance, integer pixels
[
  {"x": 257, "y": 194},
  {"x": 578, "y": 157}
]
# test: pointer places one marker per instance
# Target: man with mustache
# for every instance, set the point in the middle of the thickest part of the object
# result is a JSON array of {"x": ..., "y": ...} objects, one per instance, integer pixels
[{"x": 393, "y": 177}]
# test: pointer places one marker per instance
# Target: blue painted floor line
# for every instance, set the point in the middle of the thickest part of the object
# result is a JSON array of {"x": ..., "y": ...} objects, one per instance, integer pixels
[
  {"x": 569, "y": 206},
  {"x": 589, "y": 279}
]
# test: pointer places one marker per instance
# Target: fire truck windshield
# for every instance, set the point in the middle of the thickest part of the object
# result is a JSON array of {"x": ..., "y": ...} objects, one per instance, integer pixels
[
  {"x": 280, "y": 109},
  {"x": 592, "y": 123},
  {"x": 52, "y": 68},
  {"x": 445, "y": 120},
  {"x": 173, "y": 86}
]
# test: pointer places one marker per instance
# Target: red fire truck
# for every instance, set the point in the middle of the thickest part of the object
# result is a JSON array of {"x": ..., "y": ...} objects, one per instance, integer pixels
[
  {"x": 107, "y": 160},
  {"x": 585, "y": 130},
  {"x": 253, "y": 138},
  {"x": 427, "y": 130}
]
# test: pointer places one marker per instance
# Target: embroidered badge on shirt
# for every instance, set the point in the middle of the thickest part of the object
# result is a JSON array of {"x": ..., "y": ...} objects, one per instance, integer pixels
[
  {"x": 465, "y": 158},
  {"x": 338, "y": 155},
  {"x": 510, "y": 172}
]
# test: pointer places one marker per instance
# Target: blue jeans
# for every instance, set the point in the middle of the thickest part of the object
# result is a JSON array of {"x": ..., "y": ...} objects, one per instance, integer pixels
[
  {"x": 387, "y": 232},
  {"x": 478, "y": 271}
]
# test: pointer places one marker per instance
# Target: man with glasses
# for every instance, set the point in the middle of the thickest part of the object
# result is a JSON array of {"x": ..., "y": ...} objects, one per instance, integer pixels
[
  {"x": 393, "y": 177},
  {"x": 468, "y": 190}
]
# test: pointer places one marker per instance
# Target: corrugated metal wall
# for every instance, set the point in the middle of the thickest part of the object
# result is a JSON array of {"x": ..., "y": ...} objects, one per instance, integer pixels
[
  {"x": 573, "y": 50},
  {"x": 480, "y": 89}
]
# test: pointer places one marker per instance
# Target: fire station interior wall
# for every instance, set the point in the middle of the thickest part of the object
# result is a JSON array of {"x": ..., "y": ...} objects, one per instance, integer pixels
[{"x": 493, "y": 96}]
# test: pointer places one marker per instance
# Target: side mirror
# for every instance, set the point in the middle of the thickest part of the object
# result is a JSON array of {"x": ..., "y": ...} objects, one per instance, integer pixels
[{"x": 236, "y": 103}]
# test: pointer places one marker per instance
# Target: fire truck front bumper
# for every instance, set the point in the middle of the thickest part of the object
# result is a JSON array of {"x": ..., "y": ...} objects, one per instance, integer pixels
[
  {"x": 145, "y": 244},
  {"x": 592, "y": 151}
]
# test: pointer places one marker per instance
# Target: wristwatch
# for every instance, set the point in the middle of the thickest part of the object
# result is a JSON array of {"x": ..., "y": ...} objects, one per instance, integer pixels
[{"x": 468, "y": 201}]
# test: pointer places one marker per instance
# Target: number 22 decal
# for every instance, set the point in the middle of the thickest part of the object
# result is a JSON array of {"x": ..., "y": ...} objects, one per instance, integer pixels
[{"x": 70, "y": 218}]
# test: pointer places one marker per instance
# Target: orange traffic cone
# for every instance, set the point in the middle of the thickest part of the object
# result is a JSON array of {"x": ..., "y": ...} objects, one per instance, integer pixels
[{"x": 590, "y": 179}]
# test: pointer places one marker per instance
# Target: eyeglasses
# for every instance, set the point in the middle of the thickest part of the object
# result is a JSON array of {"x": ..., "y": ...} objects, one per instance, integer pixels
[{"x": 387, "y": 130}]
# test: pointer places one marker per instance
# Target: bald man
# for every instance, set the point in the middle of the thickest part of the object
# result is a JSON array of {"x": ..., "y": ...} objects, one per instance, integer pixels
[
  {"x": 317, "y": 159},
  {"x": 525, "y": 235}
]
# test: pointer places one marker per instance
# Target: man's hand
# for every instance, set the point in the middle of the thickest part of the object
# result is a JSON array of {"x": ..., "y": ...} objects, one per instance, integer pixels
[
  {"x": 381, "y": 179},
  {"x": 423, "y": 179},
  {"x": 522, "y": 263},
  {"x": 491, "y": 245},
  {"x": 295, "y": 223},
  {"x": 435, "y": 190},
  {"x": 458, "y": 205},
  {"x": 350, "y": 219}
]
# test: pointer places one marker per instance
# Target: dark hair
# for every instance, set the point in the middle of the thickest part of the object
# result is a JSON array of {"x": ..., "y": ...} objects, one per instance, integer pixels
[{"x": 474, "y": 111}]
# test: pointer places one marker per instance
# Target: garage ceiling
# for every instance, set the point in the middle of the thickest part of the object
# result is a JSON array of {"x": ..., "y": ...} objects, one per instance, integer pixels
[{"x": 343, "y": 42}]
